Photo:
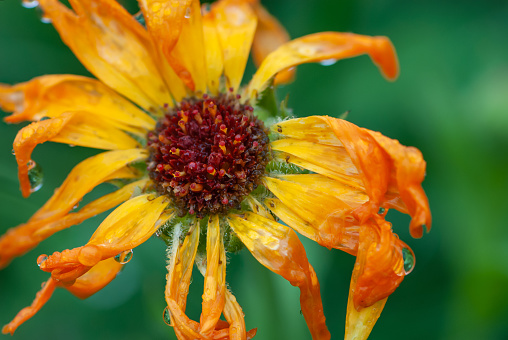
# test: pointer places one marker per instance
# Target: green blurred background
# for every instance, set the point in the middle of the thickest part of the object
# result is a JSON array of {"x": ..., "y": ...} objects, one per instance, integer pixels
[{"x": 451, "y": 101}]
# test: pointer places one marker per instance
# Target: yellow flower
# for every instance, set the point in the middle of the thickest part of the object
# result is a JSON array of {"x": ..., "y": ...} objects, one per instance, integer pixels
[{"x": 196, "y": 160}]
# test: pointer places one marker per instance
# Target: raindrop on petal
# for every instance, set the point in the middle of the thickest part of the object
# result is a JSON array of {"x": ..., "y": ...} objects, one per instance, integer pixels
[
  {"x": 328, "y": 62},
  {"x": 41, "y": 259},
  {"x": 124, "y": 256},
  {"x": 34, "y": 176},
  {"x": 13, "y": 152},
  {"x": 409, "y": 260},
  {"x": 43, "y": 17},
  {"x": 29, "y": 3},
  {"x": 188, "y": 13},
  {"x": 166, "y": 316},
  {"x": 381, "y": 211}
]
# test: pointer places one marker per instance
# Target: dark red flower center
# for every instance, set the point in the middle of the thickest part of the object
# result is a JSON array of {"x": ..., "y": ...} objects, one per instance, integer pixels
[{"x": 208, "y": 154}]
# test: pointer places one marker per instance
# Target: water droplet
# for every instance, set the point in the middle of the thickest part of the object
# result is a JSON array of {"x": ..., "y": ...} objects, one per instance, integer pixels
[
  {"x": 140, "y": 18},
  {"x": 29, "y": 3},
  {"x": 188, "y": 12},
  {"x": 34, "y": 176},
  {"x": 124, "y": 256},
  {"x": 13, "y": 152},
  {"x": 44, "y": 118},
  {"x": 328, "y": 62},
  {"x": 42, "y": 16},
  {"x": 166, "y": 316},
  {"x": 72, "y": 145},
  {"x": 41, "y": 259},
  {"x": 381, "y": 211},
  {"x": 409, "y": 260},
  {"x": 205, "y": 8}
]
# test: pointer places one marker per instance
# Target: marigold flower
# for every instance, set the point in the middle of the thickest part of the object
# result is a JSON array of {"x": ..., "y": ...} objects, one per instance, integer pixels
[{"x": 168, "y": 97}]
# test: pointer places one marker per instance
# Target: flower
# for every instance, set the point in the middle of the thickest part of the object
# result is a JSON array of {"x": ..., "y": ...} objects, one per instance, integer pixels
[{"x": 195, "y": 160}]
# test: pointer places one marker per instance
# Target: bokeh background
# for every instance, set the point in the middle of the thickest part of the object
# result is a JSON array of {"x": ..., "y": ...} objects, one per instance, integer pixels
[{"x": 451, "y": 101}]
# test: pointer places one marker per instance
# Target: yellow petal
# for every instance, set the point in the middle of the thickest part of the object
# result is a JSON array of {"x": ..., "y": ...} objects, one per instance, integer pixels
[
  {"x": 236, "y": 25},
  {"x": 52, "y": 95},
  {"x": 270, "y": 34},
  {"x": 325, "y": 46},
  {"x": 214, "y": 60},
  {"x": 257, "y": 207},
  {"x": 359, "y": 324},
  {"x": 234, "y": 315},
  {"x": 278, "y": 248},
  {"x": 312, "y": 129},
  {"x": 113, "y": 46},
  {"x": 328, "y": 160},
  {"x": 215, "y": 277},
  {"x": 319, "y": 206}
]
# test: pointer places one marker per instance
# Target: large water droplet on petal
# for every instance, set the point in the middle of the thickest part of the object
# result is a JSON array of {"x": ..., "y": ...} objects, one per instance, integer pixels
[
  {"x": 41, "y": 259},
  {"x": 188, "y": 13},
  {"x": 328, "y": 62},
  {"x": 34, "y": 176},
  {"x": 409, "y": 260},
  {"x": 166, "y": 316},
  {"x": 124, "y": 256},
  {"x": 140, "y": 18},
  {"x": 29, "y": 3}
]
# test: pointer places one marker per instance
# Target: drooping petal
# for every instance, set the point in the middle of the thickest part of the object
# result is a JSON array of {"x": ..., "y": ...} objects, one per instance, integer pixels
[
  {"x": 22, "y": 238},
  {"x": 215, "y": 278},
  {"x": 359, "y": 324},
  {"x": 95, "y": 279},
  {"x": 129, "y": 225},
  {"x": 213, "y": 50},
  {"x": 52, "y": 95},
  {"x": 325, "y": 46},
  {"x": 112, "y": 45},
  {"x": 270, "y": 34},
  {"x": 236, "y": 25},
  {"x": 234, "y": 315},
  {"x": 278, "y": 248},
  {"x": 26, "y": 313}
]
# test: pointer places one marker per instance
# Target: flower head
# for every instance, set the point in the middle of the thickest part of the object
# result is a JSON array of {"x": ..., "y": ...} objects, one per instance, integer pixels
[{"x": 194, "y": 158}]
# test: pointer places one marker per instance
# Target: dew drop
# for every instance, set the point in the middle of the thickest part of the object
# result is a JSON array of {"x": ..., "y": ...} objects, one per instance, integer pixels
[
  {"x": 381, "y": 211},
  {"x": 328, "y": 62},
  {"x": 41, "y": 259},
  {"x": 13, "y": 152},
  {"x": 72, "y": 145},
  {"x": 166, "y": 316},
  {"x": 34, "y": 176},
  {"x": 44, "y": 118},
  {"x": 29, "y": 3},
  {"x": 409, "y": 260},
  {"x": 140, "y": 18},
  {"x": 124, "y": 256},
  {"x": 43, "y": 17},
  {"x": 205, "y": 8},
  {"x": 188, "y": 13}
]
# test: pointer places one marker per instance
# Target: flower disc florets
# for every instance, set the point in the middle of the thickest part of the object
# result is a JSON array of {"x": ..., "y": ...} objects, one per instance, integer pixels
[{"x": 207, "y": 154}]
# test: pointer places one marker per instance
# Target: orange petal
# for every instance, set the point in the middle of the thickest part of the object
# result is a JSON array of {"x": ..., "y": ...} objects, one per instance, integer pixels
[
  {"x": 278, "y": 248},
  {"x": 26, "y": 313},
  {"x": 409, "y": 174},
  {"x": 234, "y": 315},
  {"x": 213, "y": 50},
  {"x": 384, "y": 163},
  {"x": 113, "y": 46},
  {"x": 215, "y": 277},
  {"x": 322, "y": 47},
  {"x": 236, "y": 25},
  {"x": 129, "y": 225},
  {"x": 95, "y": 279},
  {"x": 270, "y": 34},
  {"x": 52, "y": 95}
]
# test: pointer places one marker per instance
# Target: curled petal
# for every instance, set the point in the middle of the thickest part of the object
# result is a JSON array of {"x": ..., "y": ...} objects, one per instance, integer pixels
[
  {"x": 113, "y": 46},
  {"x": 131, "y": 224},
  {"x": 26, "y": 313},
  {"x": 325, "y": 46},
  {"x": 278, "y": 248},
  {"x": 236, "y": 25},
  {"x": 234, "y": 315}
]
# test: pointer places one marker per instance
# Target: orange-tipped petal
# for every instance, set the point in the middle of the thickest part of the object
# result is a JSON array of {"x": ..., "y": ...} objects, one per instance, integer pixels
[
  {"x": 278, "y": 248},
  {"x": 213, "y": 50},
  {"x": 112, "y": 45},
  {"x": 26, "y": 313},
  {"x": 95, "y": 279},
  {"x": 52, "y": 95},
  {"x": 322, "y": 47},
  {"x": 236, "y": 25},
  {"x": 215, "y": 277},
  {"x": 270, "y": 34},
  {"x": 129, "y": 225}
]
